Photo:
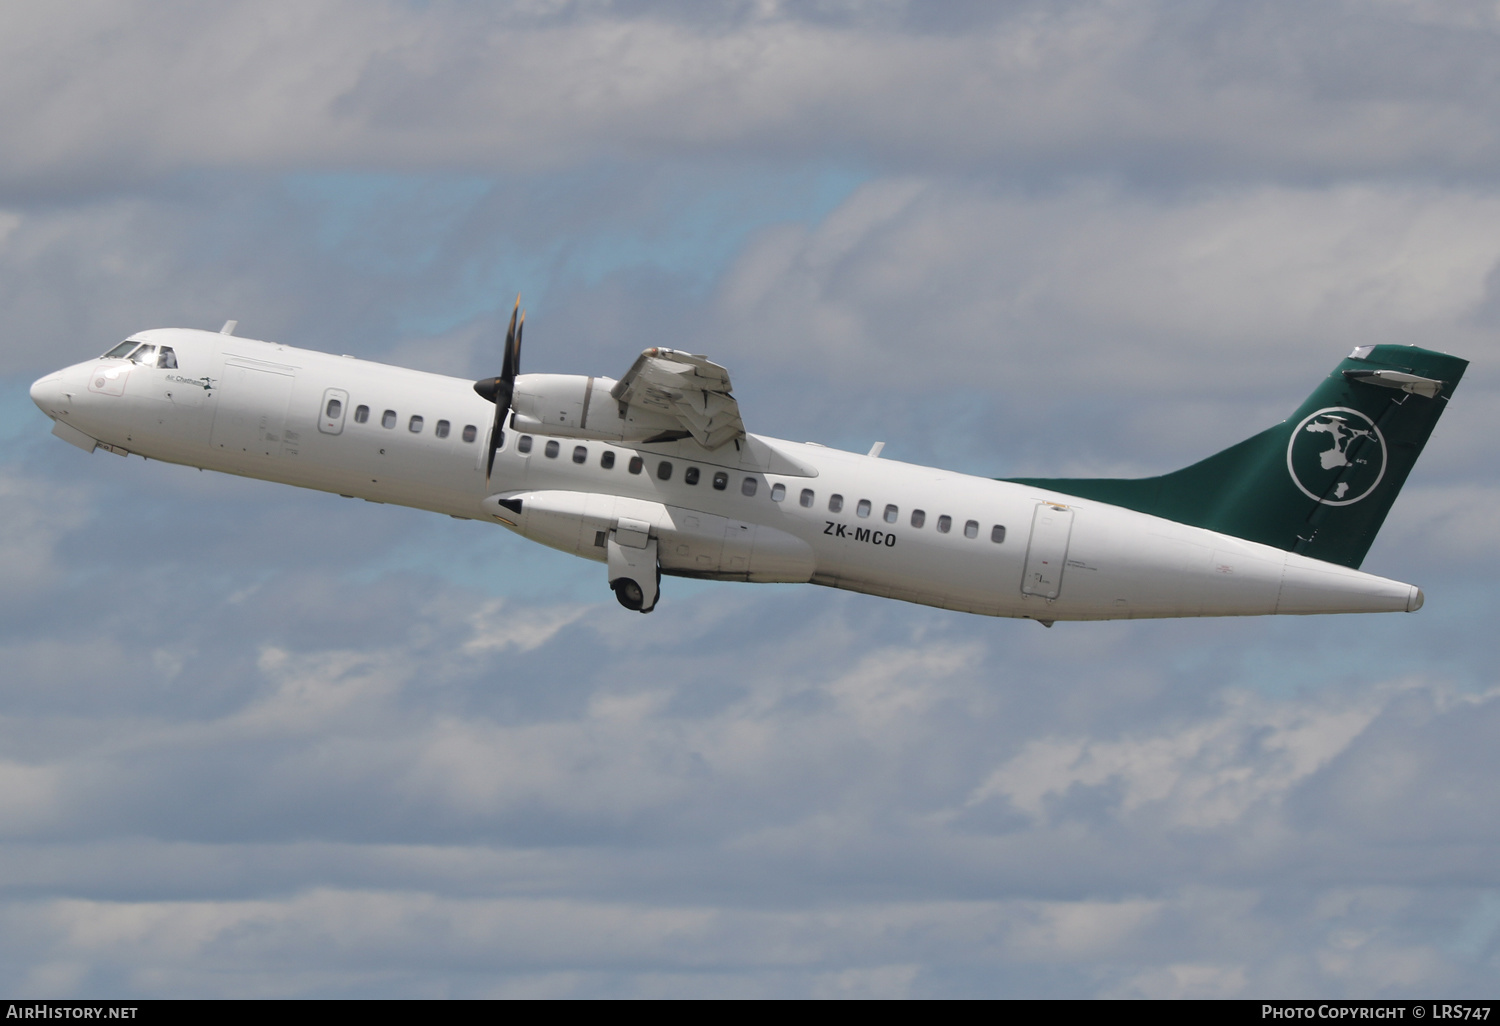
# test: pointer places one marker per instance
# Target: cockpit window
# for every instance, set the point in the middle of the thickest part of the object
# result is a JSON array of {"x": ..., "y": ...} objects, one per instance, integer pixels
[
  {"x": 120, "y": 351},
  {"x": 145, "y": 356},
  {"x": 167, "y": 358}
]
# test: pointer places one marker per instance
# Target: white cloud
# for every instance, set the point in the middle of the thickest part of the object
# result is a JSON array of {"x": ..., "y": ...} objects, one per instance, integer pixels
[
  {"x": 929, "y": 283},
  {"x": 499, "y": 624},
  {"x": 1205, "y": 774},
  {"x": 38, "y": 515},
  {"x": 332, "y": 83}
]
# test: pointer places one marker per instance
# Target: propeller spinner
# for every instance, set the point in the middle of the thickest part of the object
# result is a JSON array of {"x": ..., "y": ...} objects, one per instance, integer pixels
[{"x": 501, "y": 390}]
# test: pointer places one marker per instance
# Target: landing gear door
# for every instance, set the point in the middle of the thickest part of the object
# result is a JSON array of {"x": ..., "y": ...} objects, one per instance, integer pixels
[
  {"x": 331, "y": 416},
  {"x": 1047, "y": 552},
  {"x": 634, "y": 571}
]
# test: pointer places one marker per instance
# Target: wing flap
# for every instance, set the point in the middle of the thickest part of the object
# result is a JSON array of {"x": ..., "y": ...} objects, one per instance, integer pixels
[{"x": 690, "y": 389}]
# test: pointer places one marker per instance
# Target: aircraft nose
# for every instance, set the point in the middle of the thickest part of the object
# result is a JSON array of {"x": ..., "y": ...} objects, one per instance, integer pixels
[{"x": 47, "y": 392}]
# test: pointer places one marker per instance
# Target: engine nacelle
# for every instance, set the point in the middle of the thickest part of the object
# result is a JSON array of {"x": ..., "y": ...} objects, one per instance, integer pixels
[{"x": 575, "y": 406}]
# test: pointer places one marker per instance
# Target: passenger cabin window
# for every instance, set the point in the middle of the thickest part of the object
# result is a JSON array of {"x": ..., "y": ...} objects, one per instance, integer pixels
[
  {"x": 945, "y": 524},
  {"x": 607, "y": 459},
  {"x": 891, "y": 512},
  {"x": 778, "y": 492},
  {"x": 997, "y": 533},
  {"x": 918, "y": 517},
  {"x": 835, "y": 503},
  {"x": 636, "y": 463},
  {"x": 580, "y": 454},
  {"x": 690, "y": 475},
  {"x": 120, "y": 351},
  {"x": 524, "y": 445},
  {"x": 441, "y": 428},
  {"x": 971, "y": 529},
  {"x": 145, "y": 356},
  {"x": 863, "y": 509},
  {"x": 334, "y": 409},
  {"x": 747, "y": 486},
  {"x": 664, "y": 470},
  {"x": 470, "y": 432},
  {"x": 414, "y": 425},
  {"x": 721, "y": 480},
  {"x": 168, "y": 358},
  {"x": 806, "y": 499},
  {"x": 361, "y": 414},
  {"x": 388, "y": 419},
  {"x": 552, "y": 448}
]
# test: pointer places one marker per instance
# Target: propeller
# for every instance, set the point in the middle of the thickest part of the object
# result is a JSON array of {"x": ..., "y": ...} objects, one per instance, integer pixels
[{"x": 502, "y": 390}]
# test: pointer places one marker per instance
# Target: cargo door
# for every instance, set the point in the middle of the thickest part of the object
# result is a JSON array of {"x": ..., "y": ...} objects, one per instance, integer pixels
[
  {"x": 251, "y": 413},
  {"x": 1047, "y": 552}
]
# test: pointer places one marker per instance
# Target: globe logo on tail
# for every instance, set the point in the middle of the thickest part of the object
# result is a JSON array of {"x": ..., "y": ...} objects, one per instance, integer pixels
[{"x": 1336, "y": 456}]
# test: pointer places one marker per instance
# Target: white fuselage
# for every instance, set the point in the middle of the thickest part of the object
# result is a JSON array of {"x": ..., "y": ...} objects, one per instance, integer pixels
[{"x": 261, "y": 410}]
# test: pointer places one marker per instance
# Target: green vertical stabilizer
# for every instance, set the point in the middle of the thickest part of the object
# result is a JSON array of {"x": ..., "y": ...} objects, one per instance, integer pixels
[{"x": 1319, "y": 483}]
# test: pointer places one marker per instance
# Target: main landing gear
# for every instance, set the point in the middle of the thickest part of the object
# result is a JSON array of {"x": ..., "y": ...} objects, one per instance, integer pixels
[
  {"x": 634, "y": 575},
  {"x": 630, "y": 594}
]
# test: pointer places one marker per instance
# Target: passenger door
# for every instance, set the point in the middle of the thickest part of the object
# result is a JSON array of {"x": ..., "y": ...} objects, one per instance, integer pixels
[
  {"x": 331, "y": 416},
  {"x": 1047, "y": 552}
]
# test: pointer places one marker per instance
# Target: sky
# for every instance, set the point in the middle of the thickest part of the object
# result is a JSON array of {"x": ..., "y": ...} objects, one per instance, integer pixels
[{"x": 258, "y": 742}]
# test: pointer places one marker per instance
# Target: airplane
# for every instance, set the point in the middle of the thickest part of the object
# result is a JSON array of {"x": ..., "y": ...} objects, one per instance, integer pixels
[{"x": 655, "y": 474}]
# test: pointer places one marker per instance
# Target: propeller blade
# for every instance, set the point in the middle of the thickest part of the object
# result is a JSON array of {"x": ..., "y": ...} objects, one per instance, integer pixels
[
  {"x": 501, "y": 390},
  {"x": 520, "y": 329},
  {"x": 508, "y": 361},
  {"x": 497, "y": 438}
]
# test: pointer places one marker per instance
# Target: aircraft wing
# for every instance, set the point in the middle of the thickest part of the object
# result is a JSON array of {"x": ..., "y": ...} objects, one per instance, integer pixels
[{"x": 686, "y": 388}]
